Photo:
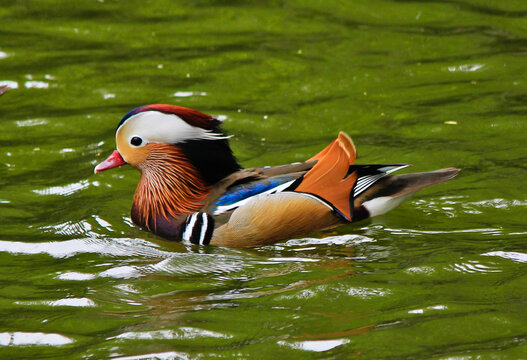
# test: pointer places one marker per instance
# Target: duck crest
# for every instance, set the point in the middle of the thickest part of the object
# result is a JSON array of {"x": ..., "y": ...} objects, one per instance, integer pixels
[
  {"x": 191, "y": 116},
  {"x": 170, "y": 186}
]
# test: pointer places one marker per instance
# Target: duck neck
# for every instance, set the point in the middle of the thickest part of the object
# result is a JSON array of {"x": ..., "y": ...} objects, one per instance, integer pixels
[
  {"x": 213, "y": 158},
  {"x": 170, "y": 186}
]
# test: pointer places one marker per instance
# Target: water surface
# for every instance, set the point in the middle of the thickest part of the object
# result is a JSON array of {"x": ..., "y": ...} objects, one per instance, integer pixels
[{"x": 431, "y": 83}]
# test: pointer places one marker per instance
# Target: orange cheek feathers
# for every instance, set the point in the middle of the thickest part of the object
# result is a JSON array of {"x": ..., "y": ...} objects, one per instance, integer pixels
[{"x": 134, "y": 156}]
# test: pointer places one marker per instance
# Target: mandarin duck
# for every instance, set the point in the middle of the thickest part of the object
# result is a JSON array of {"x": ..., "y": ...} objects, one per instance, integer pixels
[{"x": 193, "y": 189}]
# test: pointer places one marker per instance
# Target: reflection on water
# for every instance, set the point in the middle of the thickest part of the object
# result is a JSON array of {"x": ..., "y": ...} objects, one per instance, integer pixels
[
  {"x": 512, "y": 255},
  {"x": 77, "y": 276},
  {"x": 38, "y": 338},
  {"x": 182, "y": 333},
  {"x": 317, "y": 346},
  {"x": 158, "y": 356},
  {"x": 453, "y": 205},
  {"x": 473, "y": 267}
]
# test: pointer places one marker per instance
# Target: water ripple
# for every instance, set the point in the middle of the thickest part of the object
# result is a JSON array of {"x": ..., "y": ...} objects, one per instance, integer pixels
[
  {"x": 73, "y": 302},
  {"x": 315, "y": 345},
  {"x": 68, "y": 248},
  {"x": 180, "y": 334},
  {"x": 170, "y": 355},
  {"x": 199, "y": 264},
  {"x": 466, "y": 67},
  {"x": 494, "y": 204},
  {"x": 427, "y": 309},
  {"x": 364, "y": 293},
  {"x": 511, "y": 255},
  {"x": 31, "y": 122},
  {"x": 188, "y": 93},
  {"x": 69, "y": 228},
  {"x": 451, "y": 205},
  {"x": 33, "y": 338},
  {"x": 66, "y": 189},
  {"x": 483, "y": 231},
  {"x": 75, "y": 276},
  {"x": 472, "y": 267},
  {"x": 330, "y": 240},
  {"x": 9, "y": 83},
  {"x": 32, "y": 84},
  {"x": 170, "y": 263}
]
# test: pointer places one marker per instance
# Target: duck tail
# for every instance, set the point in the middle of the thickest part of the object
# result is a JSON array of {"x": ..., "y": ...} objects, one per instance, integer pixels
[
  {"x": 329, "y": 179},
  {"x": 390, "y": 191}
]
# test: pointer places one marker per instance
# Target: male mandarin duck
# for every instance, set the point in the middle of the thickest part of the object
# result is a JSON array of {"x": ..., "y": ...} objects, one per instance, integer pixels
[{"x": 193, "y": 189}]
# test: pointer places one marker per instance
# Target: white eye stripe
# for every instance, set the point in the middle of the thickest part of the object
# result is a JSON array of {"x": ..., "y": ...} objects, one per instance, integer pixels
[{"x": 157, "y": 127}]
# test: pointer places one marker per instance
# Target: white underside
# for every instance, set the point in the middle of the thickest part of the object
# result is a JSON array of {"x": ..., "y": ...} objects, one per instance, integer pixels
[{"x": 383, "y": 204}]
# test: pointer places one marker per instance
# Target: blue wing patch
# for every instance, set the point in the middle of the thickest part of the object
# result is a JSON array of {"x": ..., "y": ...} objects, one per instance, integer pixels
[{"x": 237, "y": 195}]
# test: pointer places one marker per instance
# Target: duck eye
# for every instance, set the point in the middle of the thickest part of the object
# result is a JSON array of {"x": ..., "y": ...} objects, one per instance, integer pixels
[{"x": 136, "y": 141}]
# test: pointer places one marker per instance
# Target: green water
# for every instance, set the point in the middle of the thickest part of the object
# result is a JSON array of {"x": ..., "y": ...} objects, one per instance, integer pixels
[{"x": 432, "y": 83}]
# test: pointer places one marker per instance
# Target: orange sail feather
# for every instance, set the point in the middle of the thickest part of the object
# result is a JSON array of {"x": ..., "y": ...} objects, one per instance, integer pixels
[{"x": 328, "y": 180}]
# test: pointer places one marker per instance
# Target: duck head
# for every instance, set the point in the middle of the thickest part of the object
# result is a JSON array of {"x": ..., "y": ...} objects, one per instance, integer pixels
[{"x": 181, "y": 153}]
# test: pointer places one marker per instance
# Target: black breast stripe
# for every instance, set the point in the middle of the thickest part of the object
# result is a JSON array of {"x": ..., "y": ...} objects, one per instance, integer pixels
[{"x": 199, "y": 228}]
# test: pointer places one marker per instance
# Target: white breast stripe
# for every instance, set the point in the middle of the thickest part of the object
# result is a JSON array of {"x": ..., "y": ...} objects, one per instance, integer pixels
[
  {"x": 188, "y": 229},
  {"x": 222, "y": 209},
  {"x": 204, "y": 226}
]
